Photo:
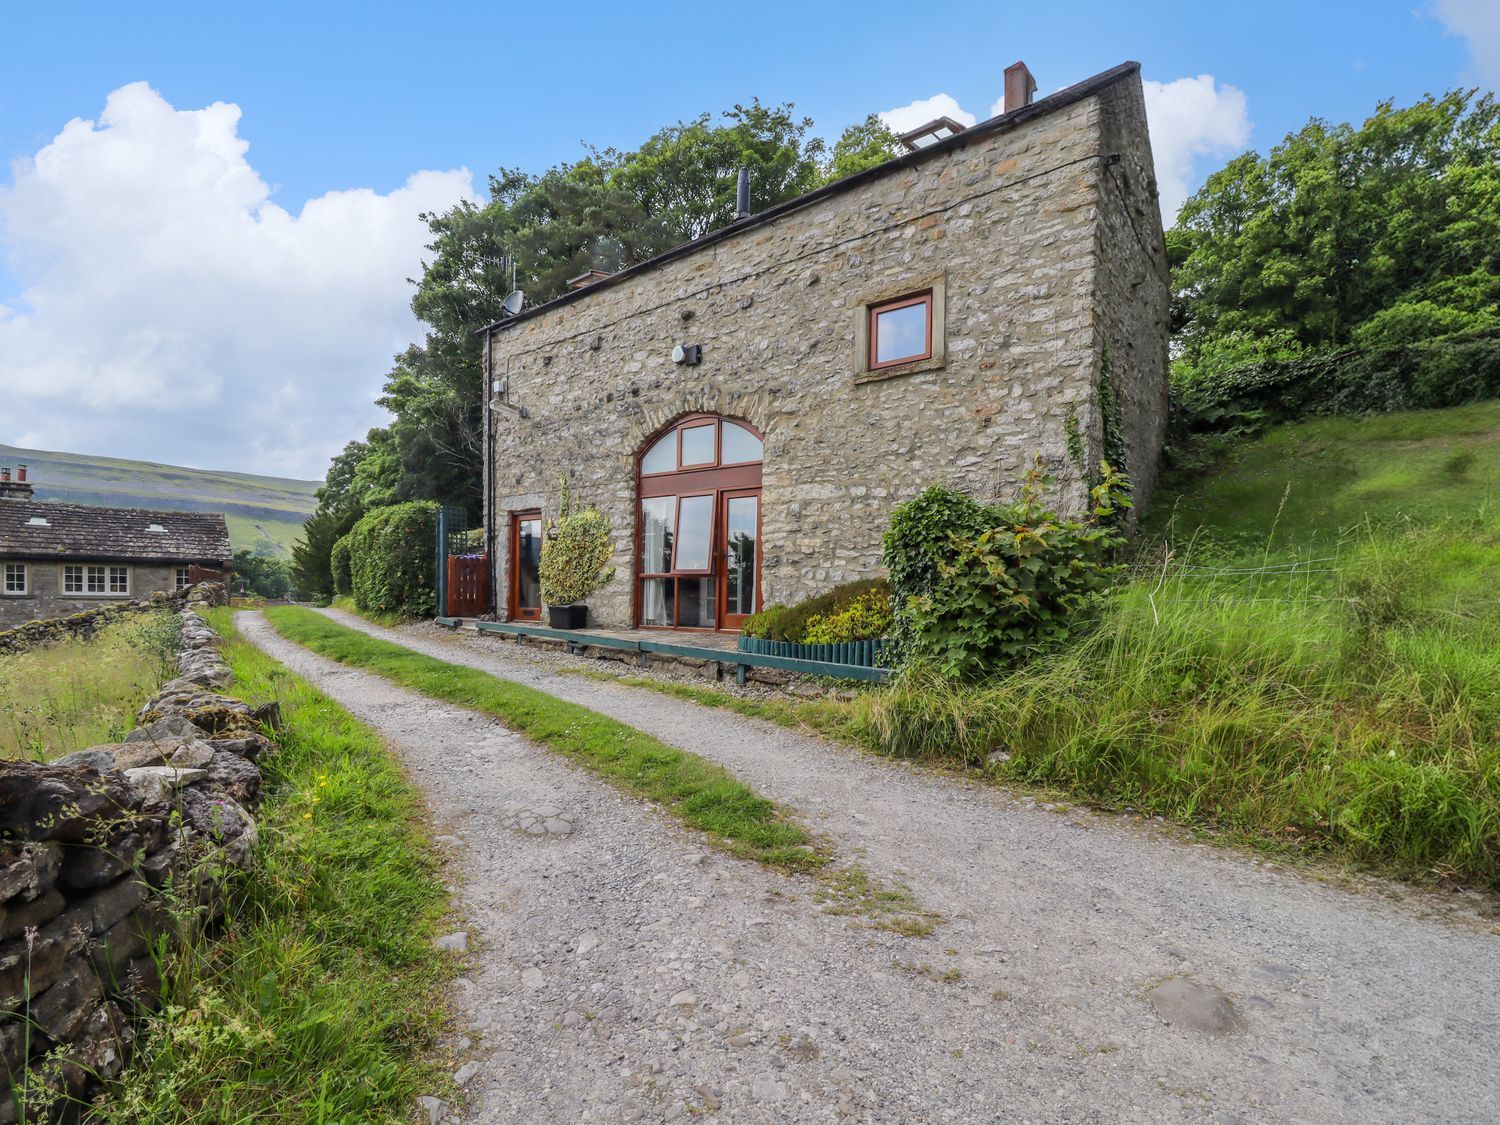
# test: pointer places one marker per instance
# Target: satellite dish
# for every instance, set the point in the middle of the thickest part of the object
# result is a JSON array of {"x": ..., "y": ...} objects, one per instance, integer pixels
[{"x": 514, "y": 303}]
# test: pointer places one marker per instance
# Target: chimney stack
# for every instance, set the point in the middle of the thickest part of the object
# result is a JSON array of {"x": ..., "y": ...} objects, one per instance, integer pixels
[
  {"x": 1019, "y": 87},
  {"x": 742, "y": 196},
  {"x": 17, "y": 489}
]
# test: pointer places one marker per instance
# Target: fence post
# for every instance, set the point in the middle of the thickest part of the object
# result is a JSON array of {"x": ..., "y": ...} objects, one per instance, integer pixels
[{"x": 442, "y": 562}]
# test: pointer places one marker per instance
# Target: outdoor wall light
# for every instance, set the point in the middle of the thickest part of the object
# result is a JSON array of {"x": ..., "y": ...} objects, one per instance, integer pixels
[{"x": 688, "y": 354}]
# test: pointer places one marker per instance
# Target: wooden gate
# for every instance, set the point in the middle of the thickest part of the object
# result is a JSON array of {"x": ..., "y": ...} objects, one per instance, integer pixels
[{"x": 468, "y": 585}]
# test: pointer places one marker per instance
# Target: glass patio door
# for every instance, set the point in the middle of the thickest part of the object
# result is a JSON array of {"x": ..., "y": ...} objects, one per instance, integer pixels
[
  {"x": 740, "y": 551},
  {"x": 525, "y": 566},
  {"x": 698, "y": 530}
]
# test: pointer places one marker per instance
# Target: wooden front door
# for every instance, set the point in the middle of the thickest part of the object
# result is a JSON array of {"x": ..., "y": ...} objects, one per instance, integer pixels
[{"x": 525, "y": 566}]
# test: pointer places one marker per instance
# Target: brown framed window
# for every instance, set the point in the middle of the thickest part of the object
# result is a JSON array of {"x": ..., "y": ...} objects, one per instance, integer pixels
[
  {"x": 698, "y": 530},
  {"x": 901, "y": 331}
]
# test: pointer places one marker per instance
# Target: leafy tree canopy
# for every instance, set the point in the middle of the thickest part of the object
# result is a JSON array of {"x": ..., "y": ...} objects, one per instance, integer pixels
[
  {"x": 607, "y": 211},
  {"x": 1374, "y": 236}
]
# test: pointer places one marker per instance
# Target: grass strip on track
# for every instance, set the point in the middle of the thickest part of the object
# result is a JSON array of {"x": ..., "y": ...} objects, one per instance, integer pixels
[
  {"x": 703, "y": 795},
  {"x": 323, "y": 998}
]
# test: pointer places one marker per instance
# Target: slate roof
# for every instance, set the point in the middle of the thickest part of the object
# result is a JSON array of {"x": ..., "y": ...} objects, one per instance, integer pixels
[{"x": 82, "y": 531}]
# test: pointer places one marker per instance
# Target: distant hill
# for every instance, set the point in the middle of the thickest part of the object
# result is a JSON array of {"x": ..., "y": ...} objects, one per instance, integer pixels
[{"x": 265, "y": 514}]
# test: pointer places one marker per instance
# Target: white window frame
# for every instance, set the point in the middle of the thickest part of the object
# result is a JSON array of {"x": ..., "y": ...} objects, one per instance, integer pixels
[
  {"x": 95, "y": 580},
  {"x": 180, "y": 578},
  {"x": 10, "y": 569}
]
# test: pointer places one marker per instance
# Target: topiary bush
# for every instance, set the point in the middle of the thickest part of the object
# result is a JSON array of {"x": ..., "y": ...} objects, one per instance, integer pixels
[
  {"x": 339, "y": 564},
  {"x": 575, "y": 554},
  {"x": 978, "y": 586},
  {"x": 391, "y": 558},
  {"x": 854, "y": 611}
]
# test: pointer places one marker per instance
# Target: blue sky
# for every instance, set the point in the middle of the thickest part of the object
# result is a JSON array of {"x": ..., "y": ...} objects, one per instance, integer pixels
[{"x": 345, "y": 104}]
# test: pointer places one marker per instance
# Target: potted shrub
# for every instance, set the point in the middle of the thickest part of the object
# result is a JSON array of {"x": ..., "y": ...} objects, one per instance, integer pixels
[{"x": 575, "y": 563}]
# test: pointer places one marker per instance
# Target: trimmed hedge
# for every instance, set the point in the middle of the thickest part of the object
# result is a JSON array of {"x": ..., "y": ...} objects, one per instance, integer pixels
[
  {"x": 391, "y": 552},
  {"x": 339, "y": 563}
]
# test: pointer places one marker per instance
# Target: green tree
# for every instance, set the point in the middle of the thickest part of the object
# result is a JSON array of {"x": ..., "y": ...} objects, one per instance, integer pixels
[
  {"x": 686, "y": 175},
  {"x": 607, "y": 211},
  {"x": 268, "y": 577},
  {"x": 1337, "y": 226},
  {"x": 311, "y": 573},
  {"x": 865, "y": 145}
]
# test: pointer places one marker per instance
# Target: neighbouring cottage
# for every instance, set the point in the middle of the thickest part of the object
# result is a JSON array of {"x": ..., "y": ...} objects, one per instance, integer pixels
[
  {"x": 59, "y": 559},
  {"x": 748, "y": 408}
]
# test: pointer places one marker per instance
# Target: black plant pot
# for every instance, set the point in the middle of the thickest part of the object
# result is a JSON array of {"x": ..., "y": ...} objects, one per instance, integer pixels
[{"x": 567, "y": 616}]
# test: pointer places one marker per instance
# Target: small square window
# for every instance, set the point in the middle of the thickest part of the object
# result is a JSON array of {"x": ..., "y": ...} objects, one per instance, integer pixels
[
  {"x": 72, "y": 579},
  {"x": 15, "y": 578},
  {"x": 901, "y": 331},
  {"x": 119, "y": 580}
]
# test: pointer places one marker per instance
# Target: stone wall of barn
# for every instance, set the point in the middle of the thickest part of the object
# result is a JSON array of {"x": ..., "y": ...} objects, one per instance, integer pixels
[
  {"x": 108, "y": 856},
  {"x": 1007, "y": 230}
]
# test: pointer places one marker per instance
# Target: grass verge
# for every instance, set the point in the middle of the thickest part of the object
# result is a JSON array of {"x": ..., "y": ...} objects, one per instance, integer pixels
[
  {"x": 323, "y": 998},
  {"x": 346, "y": 603},
  {"x": 701, "y": 794}
]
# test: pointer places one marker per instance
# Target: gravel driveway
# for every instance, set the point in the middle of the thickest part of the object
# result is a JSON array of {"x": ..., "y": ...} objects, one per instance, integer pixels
[{"x": 625, "y": 972}]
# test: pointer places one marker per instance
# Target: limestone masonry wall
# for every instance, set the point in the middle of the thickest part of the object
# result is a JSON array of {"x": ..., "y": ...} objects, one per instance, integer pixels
[
  {"x": 1024, "y": 238},
  {"x": 108, "y": 856}
]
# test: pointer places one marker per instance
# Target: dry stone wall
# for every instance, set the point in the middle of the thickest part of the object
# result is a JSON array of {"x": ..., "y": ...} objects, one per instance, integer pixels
[
  {"x": 36, "y": 634},
  {"x": 109, "y": 856}
]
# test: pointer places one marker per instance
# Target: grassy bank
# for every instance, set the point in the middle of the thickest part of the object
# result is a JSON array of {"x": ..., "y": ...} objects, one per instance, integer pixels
[
  {"x": 1315, "y": 663},
  {"x": 1305, "y": 486},
  {"x": 1357, "y": 713},
  {"x": 321, "y": 1000},
  {"x": 702, "y": 795},
  {"x": 80, "y": 693}
]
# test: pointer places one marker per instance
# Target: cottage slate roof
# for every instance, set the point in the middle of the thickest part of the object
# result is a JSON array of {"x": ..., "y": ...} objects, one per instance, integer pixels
[{"x": 83, "y": 531}]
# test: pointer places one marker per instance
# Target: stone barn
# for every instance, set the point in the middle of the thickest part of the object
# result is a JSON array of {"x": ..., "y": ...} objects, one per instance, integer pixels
[{"x": 748, "y": 408}]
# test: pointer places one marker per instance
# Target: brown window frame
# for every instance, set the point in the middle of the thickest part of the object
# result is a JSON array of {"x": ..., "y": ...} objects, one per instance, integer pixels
[
  {"x": 923, "y": 298},
  {"x": 713, "y": 480},
  {"x": 683, "y": 465},
  {"x": 712, "y": 497},
  {"x": 513, "y": 608}
]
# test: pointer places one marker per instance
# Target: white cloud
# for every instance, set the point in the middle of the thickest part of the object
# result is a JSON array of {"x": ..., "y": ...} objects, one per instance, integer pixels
[
  {"x": 1478, "y": 22},
  {"x": 1189, "y": 118},
  {"x": 905, "y": 118},
  {"x": 172, "y": 311}
]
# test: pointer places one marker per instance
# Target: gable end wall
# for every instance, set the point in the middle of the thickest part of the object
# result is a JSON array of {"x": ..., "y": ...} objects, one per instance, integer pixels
[{"x": 1006, "y": 226}]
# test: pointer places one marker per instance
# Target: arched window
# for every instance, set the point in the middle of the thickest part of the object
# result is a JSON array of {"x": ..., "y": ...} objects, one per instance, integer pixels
[{"x": 698, "y": 536}]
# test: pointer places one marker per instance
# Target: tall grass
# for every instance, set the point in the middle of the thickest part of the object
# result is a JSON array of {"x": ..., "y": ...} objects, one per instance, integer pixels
[
  {"x": 83, "y": 692},
  {"x": 323, "y": 998},
  {"x": 1352, "y": 704}
]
